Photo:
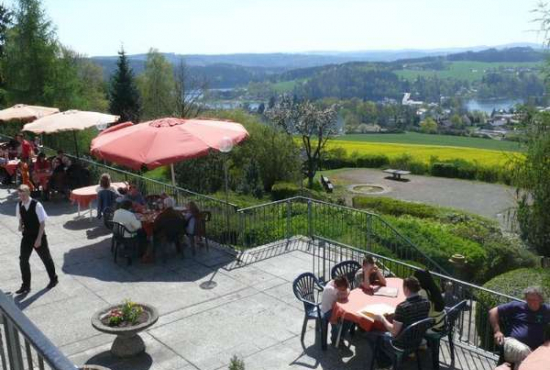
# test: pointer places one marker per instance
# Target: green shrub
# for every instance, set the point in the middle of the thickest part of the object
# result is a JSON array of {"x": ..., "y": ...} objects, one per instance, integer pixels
[
  {"x": 511, "y": 283},
  {"x": 372, "y": 161},
  {"x": 283, "y": 190},
  {"x": 236, "y": 363},
  {"x": 394, "y": 207}
]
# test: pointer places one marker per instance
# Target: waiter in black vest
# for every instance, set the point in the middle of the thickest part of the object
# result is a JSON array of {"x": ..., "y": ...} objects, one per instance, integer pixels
[{"x": 32, "y": 221}]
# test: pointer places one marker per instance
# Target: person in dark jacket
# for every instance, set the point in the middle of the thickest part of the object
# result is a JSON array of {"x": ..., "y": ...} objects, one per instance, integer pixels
[{"x": 32, "y": 221}]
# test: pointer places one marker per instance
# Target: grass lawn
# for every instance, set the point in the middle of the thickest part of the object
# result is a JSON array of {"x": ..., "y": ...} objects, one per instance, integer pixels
[
  {"x": 424, "y": 153},
  {"x": 464, "y": 70},
  {"x": 426, "y": 139}
]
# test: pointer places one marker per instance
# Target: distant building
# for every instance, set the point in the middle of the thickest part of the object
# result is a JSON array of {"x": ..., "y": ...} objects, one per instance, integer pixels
[{"x": 408, "y": 101}]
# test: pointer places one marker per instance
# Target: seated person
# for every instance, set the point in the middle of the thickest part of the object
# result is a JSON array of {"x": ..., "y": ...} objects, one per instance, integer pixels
[
  {"x": 42, "y": 172},
  {"x": 58, "y": 180},
  {"x": 134, "y": 195},
  {"x": 169, "y": 225},
  {"x": 124, "y": 216},
  {"x": 191, "y": 216},
  {"x": 413, "y": 309},
  {"x": 14, "y": 148},
  {"x": 431, "y": 292},
  {"x": 106, "y": 195},
  {"x": 526, "y": 322},
  {"x": 62, "y": 157},
  {"x": 4, "y": 155},
  {"x": 369, "y": 274},
  {"x": 336, "y": 290}
]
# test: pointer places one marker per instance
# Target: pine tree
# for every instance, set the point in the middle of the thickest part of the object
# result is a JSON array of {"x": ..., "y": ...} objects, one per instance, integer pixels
[{"x": 124, "y": 99}]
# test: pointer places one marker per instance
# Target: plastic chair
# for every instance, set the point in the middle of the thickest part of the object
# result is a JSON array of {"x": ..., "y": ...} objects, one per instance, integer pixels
[
  {"x": 409, "y": 340},
  {"x": 305, "y": 286},
  {"x": 348, "y": 269},
  {"x": 119, "y": 238},
  {"x": 434, "y": 338}
]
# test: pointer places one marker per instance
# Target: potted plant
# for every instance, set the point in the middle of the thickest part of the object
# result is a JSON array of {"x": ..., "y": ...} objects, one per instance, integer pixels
[{"x": 125, "y": 320}]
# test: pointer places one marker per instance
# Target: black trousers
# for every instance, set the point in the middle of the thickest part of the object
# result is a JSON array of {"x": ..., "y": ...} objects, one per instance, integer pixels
[{"x": 27, "y": 246}]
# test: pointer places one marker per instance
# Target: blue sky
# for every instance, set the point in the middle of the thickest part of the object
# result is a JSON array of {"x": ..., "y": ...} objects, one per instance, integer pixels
[{"x": 99, "y": 27}]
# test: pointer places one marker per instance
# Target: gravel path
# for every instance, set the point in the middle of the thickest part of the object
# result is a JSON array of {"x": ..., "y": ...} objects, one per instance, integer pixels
[{"x": 489, "y": 200}]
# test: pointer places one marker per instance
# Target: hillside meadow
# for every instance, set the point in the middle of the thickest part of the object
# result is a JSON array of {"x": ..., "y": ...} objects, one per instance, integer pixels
[{"x": 424, "y": 153}]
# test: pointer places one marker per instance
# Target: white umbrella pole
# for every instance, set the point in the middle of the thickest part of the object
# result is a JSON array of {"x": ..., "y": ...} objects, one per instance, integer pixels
[{"x": 173, "y": 174}]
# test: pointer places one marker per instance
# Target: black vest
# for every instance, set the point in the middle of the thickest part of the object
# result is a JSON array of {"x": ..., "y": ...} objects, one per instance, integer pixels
[{"x": 31, "y": 224}]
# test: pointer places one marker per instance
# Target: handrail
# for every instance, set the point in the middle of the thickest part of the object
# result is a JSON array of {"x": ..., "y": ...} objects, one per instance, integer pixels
[
  {"x": 43, "y": 346},
  {"x": 416, "y": 268}
]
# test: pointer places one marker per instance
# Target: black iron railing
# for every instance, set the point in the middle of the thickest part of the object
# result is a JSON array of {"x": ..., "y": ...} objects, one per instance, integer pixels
[{"x": 22, "y": 345}]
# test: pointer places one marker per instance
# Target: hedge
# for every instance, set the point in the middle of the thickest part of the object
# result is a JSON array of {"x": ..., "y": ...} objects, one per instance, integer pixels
[
  {"x": 439, "y": 232},
  {"x": 511, "y": 283}
]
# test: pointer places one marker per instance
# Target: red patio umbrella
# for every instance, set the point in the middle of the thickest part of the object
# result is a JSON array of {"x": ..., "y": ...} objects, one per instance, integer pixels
[{"x": 165, "y": 141}]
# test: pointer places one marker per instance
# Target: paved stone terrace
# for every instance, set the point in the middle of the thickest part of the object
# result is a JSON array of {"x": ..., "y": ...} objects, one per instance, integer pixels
[{"x": 252, "y": 311}]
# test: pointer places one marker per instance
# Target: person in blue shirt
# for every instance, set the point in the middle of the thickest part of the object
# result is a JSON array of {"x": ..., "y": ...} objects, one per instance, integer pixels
[
  {"x": 134, "y": 195},
  {"x": 526, "y": 324}
]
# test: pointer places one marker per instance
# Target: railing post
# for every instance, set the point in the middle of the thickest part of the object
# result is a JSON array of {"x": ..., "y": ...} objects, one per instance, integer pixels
[
  {"x": 288, "y": 219},
  {"x": 309, "y": 220},
  {"x": 369, "y": 232},
  {"x": 14, "y": 346},
  {"x": 322, "y": 246}
]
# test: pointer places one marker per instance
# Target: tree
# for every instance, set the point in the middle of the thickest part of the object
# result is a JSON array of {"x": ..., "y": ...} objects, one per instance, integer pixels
[
  {"x": 124, "y": 99},
  {"x": 5, "y": 22},
  {"x": 30, "y": 55},
  {"x": 94, "y": 89},
  {"x": 189, "y": 90},
  {"x": 314, "y": 125},
  {"x": 157, "y": 86},
  {"x": 456, "y": 122},
  {"x": 532, "y": 179},
  {"x": 428, "y": 126}
]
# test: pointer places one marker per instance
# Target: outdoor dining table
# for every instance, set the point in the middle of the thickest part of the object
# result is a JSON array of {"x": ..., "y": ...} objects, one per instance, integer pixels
[
  {"x": 539, "y": 359},
  {"x": 358, "y": 299},
  {"x": 84, "y": 197}
]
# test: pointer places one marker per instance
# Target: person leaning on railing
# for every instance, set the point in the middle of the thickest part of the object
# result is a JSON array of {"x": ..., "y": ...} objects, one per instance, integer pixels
[{"x": 525, "y": 325}]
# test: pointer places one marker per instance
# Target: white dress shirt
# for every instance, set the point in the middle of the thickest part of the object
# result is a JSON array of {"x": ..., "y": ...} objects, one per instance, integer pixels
[
  {"x": 128, "y": 219},
  {"x": 40, "y": 212}
]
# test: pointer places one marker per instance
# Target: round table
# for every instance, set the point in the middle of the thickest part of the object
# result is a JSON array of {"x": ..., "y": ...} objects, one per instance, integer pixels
[
  {"x": 84, "y": 196},
  {"x": 358, "y": 299}
]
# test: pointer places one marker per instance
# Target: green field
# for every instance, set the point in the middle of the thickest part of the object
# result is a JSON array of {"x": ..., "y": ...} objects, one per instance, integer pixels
[
  {"x": 426, "y": 139},
  {"x": 468, "y": 71}
]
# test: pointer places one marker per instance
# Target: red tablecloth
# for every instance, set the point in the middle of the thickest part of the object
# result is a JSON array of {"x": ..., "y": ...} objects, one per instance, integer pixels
[
  {"x": 148, "y": 221},
  {"x": 538, "y": 360},
  {"x": 358, "y": 299},
  {"x": 11, "y": 166},
  {"x": 84, "y": 196}
]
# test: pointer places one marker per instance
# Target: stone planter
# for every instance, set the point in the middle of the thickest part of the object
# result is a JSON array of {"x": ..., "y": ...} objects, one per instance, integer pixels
[{"x": 127, "y": 343}]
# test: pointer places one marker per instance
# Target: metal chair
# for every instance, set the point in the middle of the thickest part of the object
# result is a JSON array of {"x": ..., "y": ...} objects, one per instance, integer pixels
[
  {"x": 119, "y": 238},
  {"x": 434, "y": 337},
  {"x": 405, "y": 343},
  {"x": 305, "y": 286},
  {"x": 348, "y": 269}
]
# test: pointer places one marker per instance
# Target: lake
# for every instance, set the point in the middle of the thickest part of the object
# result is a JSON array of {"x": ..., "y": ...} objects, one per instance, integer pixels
[{"x": 487, "y": 106}]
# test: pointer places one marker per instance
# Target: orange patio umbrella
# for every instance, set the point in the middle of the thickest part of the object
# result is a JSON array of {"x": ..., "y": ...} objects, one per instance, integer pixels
[
  {"x": 25, "y": 113},
  {"x": 165, "y": 141}
]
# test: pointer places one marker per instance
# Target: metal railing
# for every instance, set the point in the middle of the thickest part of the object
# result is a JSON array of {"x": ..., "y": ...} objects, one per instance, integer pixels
[
  {"x": 299, "y": 216},
  {"x": 473, "y": 331},
  {"x": 22, "y": 345}
]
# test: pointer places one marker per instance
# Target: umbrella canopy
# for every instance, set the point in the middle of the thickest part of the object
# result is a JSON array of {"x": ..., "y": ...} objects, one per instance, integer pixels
[
  {"x": 165, "y": 141},
  {"x": 26, "y": 113},
  {"x": 71, "y": 120}
]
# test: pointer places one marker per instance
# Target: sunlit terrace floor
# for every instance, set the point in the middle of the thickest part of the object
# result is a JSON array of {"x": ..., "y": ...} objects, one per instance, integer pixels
[{"x": 251, "y": 312}]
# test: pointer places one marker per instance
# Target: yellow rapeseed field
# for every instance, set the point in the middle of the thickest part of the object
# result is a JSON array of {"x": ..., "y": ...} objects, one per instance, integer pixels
[{"x": 423, "y": 153}]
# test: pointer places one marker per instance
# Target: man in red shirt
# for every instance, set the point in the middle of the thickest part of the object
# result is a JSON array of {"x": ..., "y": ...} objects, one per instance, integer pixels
[{"x": 26, "y": 147}]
